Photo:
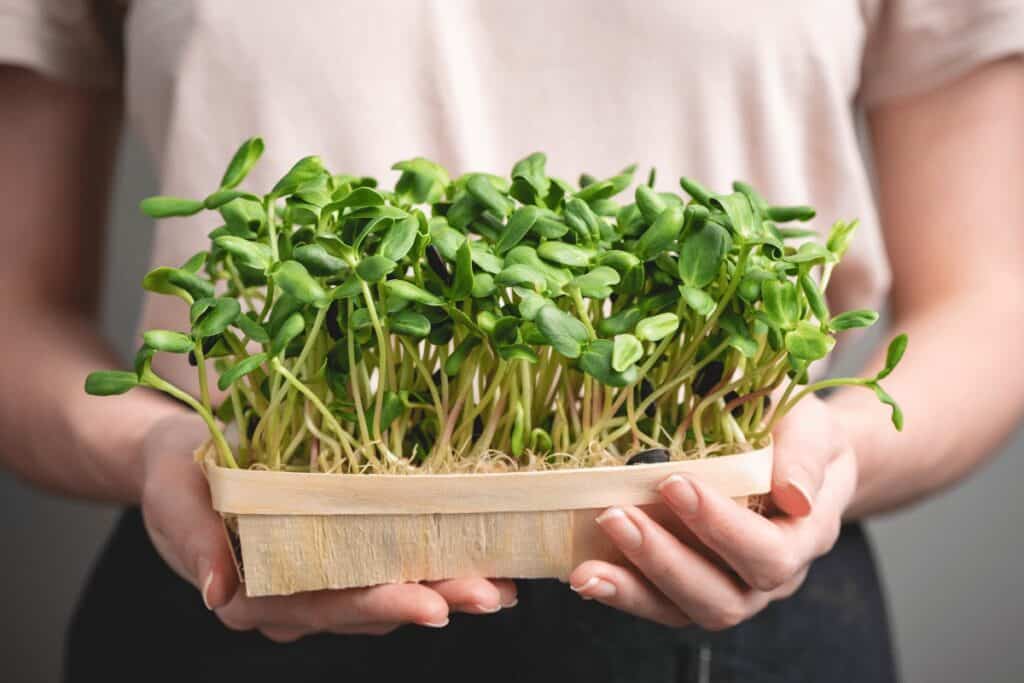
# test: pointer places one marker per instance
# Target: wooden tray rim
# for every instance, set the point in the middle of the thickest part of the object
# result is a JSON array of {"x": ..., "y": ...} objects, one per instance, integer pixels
[{"x": 254, "y": 492}]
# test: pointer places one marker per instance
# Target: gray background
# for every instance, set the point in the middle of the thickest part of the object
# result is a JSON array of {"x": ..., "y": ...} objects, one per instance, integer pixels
[{"x": 950, "y": 565}]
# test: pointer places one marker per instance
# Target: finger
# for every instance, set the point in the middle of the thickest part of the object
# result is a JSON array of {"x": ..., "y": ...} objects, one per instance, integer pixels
[
  {"x": 698, "y": 588},
  {"x": 186, "y": 530},
  {"x": 622, "y": 589},
  {"x": 284, "y": 635},
  {"x": 764, "y": 554},
  {"x": 804, "y": 446},
  {"x": 474, "y": 595},
  {"x": 338, "y": 610}
]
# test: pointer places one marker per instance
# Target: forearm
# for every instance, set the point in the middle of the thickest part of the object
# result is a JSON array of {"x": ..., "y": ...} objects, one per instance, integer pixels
[
  {"x": 56, "y": 436},
  {"x": 960, "y": 398}
]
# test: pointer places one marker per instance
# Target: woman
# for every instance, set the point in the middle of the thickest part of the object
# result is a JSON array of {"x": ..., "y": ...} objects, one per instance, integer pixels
[{"x": 719, "y": 90}]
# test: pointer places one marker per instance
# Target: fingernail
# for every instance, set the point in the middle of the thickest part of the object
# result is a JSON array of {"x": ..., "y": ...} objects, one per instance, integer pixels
[
  {"x": 435, "y": 624},
  {"x": 681, "y": 495},
  {"x": 803, "y": 498},
  {"x": 510, "y": 604},
  {"x": 595, "y": 587},
  {"x": 206, "y": 590},
  {"x": 621, "y": 528},
  {"x": 487, "y": 610}
]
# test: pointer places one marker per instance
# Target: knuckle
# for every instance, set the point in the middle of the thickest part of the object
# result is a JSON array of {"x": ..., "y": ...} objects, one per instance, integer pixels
[
  {"x": 777, "y": 572},
  {"x": 830, "y": 535},
  {"x": 725, "y": 617},
  {"x": 235, "y": 622},
  {"x": 280, "y": 636}
]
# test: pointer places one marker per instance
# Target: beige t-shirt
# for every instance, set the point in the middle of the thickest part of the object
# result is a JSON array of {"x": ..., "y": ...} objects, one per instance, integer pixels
[{"x": 767, "y": 92}]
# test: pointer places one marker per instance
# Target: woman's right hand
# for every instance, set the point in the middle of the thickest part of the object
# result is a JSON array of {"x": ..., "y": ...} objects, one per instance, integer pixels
[{"x": 189, "y": 535}]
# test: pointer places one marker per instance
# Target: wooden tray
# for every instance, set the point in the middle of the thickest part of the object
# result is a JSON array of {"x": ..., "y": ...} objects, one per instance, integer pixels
[{"x": 311, "y": 531}]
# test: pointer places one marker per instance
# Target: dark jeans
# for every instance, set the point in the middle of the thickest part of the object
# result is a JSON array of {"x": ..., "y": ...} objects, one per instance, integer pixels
[{"x": 139, "y": 621}]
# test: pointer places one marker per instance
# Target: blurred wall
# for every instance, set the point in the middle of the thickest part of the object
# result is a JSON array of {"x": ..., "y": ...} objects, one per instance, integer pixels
[{"x": 951, "y": 565}]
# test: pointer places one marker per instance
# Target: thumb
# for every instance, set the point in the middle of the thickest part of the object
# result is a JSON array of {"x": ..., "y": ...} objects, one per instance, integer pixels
[
  {"x": 806, "y": 441},
  {"x": 180, "y": 519}
]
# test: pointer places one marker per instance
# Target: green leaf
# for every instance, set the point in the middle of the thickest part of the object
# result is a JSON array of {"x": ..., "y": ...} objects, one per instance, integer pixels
[
  {"x": 581, "y": 218},
  {"x": 884, "y": 397},
  {"x": 840, "y": 236},
  {"x": 240, "y": 369},
  {"x": 218, "y": 317},
  {"x": 242, "y": 162},
  {"x": 484, "y": 258},
  {"x": 400, "y": 289},
  {"x": 291, "y": 328},
  {"x": 697, "y": 299},
  {"x": 195, "y": 263},
  {"x": 781, "y": 303},
  {"x": 621, "y": 323},
  {"x": 626, "y": 351},
  {"x": 454, "y": 362},
  {"x": 252, "y": 329},
  {"x": 519, "y": 225},
  {"x": 422, "y": 179},
  {"x": 445, "y": 238},
  {"x": 318, "y": 260},
  {"x": 243, "y": 217},
  {"x": 511, "y": 352},
  {"x": 165, "y": 207},
  {"x": 219, "y": 198},
  {"x": 565, "y": 254},
  {"x": 158, "y": 280},
  {"x": 620, "y": 260},
  {"x": 400, "y": 238},
  {"x": 597, "y": 283},
  {"x": 745, "y": 222},
  {"x": 409, "y": 324},
  {"x": 392, "y": 407},
  {"x": 375, "y": 268},
  {"x": 352, "y": 286},
  {"x": 814, "y": 297},
  {"x": 810, "y": 252},
  {"x": 168, "y": 341},
  {"x": 893, "y": 356},
  {"x": 110, "y": 382},
  {"x": 784, "y": 214},
  {"x": 649, "y": 204},
  {"x": 700, "y": 194},
  {"x": 563, "y": 331},
  {"x": 293, "y": 278},
  {"x": 303, "y": 171},
  {"x": 521, "y": 274},
  {"x": 596, "y": 361},
  {"x": 702, "y": 253},
  {"x": 808, "y": 343},
  {"x": 483, "y": 286},
  {"x": 657, "y": 327},
  {"x": 246, "y": 252},
  {"x": 530, "y": 170},
  {"x": 462, "y": 283},
  {"x": 661, "y": 235},
  {"x": 853, "y": 319},
  {"x": 483, "y": 191}
]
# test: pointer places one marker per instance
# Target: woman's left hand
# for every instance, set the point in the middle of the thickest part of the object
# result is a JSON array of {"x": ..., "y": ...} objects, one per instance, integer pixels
[{"x": 749, "y": 560}]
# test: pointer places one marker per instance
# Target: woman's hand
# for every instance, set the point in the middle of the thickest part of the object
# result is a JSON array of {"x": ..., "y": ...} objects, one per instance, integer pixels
[
  {"x": 747, "y": 561},
  {"x": 190, "y": 537}
]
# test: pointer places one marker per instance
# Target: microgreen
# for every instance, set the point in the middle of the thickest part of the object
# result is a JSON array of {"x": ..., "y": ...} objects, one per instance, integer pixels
[{"x": 354, "y": 328}]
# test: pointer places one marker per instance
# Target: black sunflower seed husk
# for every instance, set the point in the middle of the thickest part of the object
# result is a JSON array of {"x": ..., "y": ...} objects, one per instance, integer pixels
[
  {"x": 708, "y": 378},
  {"x": 651, "y": 456},
  {"x": 438, "y": 265}
]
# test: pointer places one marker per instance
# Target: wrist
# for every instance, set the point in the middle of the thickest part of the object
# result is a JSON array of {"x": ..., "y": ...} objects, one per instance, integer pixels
[
  {"x": 113, "y": 439},
  {"x": 858, "y": 418}
]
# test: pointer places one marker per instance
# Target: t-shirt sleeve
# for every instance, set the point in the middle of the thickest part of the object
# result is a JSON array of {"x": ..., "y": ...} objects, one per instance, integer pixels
[
  {"x": 70, "y": 40},
  {"x": 917, "y": 45}
]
